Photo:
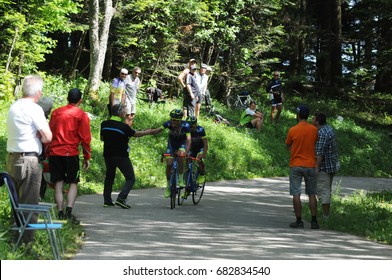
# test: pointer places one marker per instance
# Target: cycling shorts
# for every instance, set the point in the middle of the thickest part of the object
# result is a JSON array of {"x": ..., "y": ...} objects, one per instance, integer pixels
[{"x": 172, "y": 148}]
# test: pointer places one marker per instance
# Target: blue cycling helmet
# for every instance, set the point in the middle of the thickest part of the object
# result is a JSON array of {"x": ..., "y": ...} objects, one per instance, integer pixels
[
  {"x": 176, "y": 114},
  {"x": 192, "y": 121}
]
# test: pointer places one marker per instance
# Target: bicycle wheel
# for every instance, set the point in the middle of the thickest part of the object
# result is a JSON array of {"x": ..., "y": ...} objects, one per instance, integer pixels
[
  {"x": 231, "y": 101},
  {"x": 182, "y": 190},
  {"x": 173, "y": 190},
  {"x": 198, "y": 193},
  {"x": 180, "y": 199}
]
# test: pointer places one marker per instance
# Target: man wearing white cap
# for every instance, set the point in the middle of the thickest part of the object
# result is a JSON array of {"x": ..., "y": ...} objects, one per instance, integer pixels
[{"x": 117, "y": 90}]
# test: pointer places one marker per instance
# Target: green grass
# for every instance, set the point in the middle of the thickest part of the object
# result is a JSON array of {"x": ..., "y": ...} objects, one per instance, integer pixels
[
  {"x": 72, "y": 236},
  {"x": 362, "y": 213},
  {"x": 364, "y": 148}
]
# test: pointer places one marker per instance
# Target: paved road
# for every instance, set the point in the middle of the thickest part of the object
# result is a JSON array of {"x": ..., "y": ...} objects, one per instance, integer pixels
[{"x": 243, "y": 219}]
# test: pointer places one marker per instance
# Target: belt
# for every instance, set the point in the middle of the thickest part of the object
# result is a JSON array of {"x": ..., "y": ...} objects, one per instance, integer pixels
[{"x": 26, "y": 154}]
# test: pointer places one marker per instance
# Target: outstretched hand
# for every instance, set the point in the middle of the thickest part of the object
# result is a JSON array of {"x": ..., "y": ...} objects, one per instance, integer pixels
[{"x": 154, "y": 131}]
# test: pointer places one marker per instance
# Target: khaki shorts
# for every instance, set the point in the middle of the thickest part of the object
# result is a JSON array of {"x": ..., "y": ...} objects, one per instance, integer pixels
[
  {"x": 130, "y": 107},
  {"x": 324, "y": 186}
]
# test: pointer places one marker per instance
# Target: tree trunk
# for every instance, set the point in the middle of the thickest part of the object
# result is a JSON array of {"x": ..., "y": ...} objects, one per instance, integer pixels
[
  {"x": 79, "y": 51},
  {"x": 336, "y": 43},
  {"x": 107, "y": 71},
  {"x": 384, "y": 71},
  {"x": 297, "y": 57},
  {"x": 323, "y": 60},
  {"x": 99, "y": 33},
  {"x": 11, "y": 49}
]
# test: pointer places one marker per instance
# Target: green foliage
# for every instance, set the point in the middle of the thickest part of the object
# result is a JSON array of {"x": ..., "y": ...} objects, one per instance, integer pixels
[
  {"x": 57, "y": 88},
  {"x": 231, "y": 35},
  {"x": 234, "y": 152},
  {"x": 7, "y": 84},
  {"x": 26, "y": 27},
  {"x": 72, "y": 236}
]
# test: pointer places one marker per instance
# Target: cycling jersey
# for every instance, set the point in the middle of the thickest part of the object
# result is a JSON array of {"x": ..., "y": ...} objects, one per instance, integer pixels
[
  {"x": 274, "y": 87},
  {"x": 177, "y": 136},
  {"x": 197, "y": 140}
]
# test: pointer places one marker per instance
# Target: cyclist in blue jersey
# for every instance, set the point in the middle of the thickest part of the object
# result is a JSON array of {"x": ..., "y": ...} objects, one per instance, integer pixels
[
  {"x": 199, "y": 142},
  {"x": 179, "y": 143},
  {"x": 199, "y": 146}
]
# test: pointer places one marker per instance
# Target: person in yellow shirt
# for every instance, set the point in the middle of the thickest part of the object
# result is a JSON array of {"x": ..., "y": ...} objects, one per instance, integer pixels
[{"x": 117, "y": 90}]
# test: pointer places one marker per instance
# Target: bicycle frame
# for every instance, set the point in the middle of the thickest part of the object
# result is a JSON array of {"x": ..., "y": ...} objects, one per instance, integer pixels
[
  {"x": 239, "y": 101},
  {"x": 173, "y": 180},
  {"x": 244, "y": 100},
  {"x": 190, "y": 180}
]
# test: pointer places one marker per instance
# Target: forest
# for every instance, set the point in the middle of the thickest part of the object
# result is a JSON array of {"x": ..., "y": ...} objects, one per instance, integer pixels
[{"x": 333, "y": 47}]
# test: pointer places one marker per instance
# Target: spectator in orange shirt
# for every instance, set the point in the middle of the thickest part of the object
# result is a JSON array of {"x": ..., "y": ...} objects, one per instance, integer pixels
[
  {"x": 301, "y": 141},
  {"x": 70, "y": 126}
]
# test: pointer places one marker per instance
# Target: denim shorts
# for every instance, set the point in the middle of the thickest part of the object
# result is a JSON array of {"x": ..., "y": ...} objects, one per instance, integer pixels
[{"x": 309, "y": 175}]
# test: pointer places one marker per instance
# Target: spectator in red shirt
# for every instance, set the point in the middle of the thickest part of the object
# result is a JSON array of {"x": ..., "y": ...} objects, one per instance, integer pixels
[{"x": 70, "y": 126}]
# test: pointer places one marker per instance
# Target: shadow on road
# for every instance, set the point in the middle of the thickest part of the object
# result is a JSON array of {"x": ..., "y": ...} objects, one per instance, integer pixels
[{"x": 244, "y": 219}]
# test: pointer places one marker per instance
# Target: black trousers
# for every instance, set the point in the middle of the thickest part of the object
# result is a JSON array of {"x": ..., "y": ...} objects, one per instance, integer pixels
[{"x": 124, "y": 164}]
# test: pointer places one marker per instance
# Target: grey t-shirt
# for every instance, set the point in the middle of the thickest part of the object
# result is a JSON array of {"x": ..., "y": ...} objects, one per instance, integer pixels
[
  {"x": 131, "y": 87},
  {"x": 191, "y": 80}
]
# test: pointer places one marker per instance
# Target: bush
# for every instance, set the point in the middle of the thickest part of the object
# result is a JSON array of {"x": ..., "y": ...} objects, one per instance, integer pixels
[{"x": 7, "y": 85}]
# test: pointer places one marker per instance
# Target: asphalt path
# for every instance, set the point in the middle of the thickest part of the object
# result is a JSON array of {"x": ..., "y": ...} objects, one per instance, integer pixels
[{"x": 235, "y": 220}]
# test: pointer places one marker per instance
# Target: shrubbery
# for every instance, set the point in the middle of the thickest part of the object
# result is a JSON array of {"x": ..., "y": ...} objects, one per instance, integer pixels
[{"x": 364, "y": 148}]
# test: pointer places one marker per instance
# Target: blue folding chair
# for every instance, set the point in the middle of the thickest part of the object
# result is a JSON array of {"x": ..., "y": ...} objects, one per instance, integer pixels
[{"x": 23, "y": 214}]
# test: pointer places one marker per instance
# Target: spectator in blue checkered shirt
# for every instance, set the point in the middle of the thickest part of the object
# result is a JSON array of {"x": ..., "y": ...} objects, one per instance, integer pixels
[{"x": 327, "y": 160}]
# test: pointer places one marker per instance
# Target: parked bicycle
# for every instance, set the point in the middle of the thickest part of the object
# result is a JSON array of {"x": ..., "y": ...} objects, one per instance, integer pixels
[
  {"x": 174, "y": 189},
  {"x": 217, "y": 118},
  {"x": 194, "y": 183},
  {"x": 215, "y": 115},
  {"x": 239, "y": 101}
]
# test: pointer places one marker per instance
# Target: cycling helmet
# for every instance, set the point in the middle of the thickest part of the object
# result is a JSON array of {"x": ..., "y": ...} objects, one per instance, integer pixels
[
  {"x": 192, "y": 121},
  {"x": 176, "y": 114}
]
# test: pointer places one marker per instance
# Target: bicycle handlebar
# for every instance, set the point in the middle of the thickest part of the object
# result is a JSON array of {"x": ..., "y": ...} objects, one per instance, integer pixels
[
  {"x": 193, "y": 158},
  {"x": 171, "y": 155},
  {"x": 175, "y": 155}
]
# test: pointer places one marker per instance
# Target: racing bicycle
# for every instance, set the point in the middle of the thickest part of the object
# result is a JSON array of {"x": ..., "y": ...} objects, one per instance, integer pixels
[
  {"x": 194, "y": 184},
  {"x": 174, "y": 189}
]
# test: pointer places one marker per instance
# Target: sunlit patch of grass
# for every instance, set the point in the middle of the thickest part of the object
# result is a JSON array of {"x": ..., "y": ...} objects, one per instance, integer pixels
[{"x": 362, "y": 213}]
